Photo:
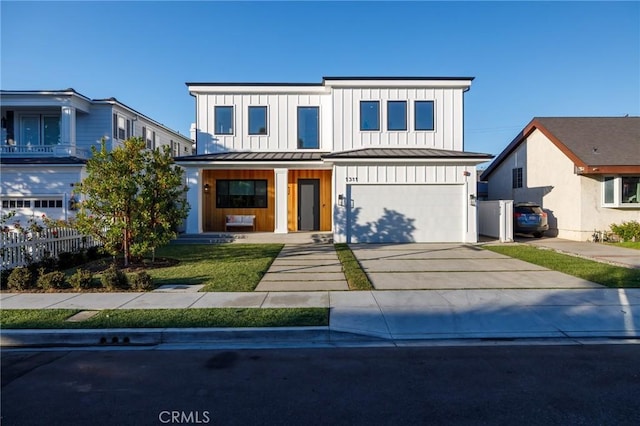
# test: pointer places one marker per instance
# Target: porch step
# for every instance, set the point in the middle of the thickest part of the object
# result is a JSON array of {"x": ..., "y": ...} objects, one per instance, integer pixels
[{"x": 204, "y": 239}]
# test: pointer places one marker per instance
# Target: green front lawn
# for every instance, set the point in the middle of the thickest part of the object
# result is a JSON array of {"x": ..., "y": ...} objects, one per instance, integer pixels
[
  {"x": 165, "y": 318},
  {"x": 220, "y": 267},
  {"x": 601, "y": 273},
  {"x": 628, "y": 244},
  {"x": 356, "y": 277}
]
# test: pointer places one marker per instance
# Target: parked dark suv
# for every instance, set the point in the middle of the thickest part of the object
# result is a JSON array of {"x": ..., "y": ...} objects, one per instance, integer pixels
[{"x": 528, "y": 218}]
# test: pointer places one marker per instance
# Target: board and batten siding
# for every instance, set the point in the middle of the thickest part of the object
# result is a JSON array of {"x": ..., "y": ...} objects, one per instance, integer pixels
[
  {"x": 448, "y": 123},
  {"x": 282, "y": 121}
]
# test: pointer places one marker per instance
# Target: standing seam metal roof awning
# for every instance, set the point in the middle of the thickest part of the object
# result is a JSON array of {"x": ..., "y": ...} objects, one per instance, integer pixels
[
  {"x": 255, "y": 156},
  {"x": 406, "y": 153}
]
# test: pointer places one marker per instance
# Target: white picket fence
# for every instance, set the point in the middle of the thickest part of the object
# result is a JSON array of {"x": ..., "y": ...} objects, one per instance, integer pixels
[{"x": 18, "y": 249}]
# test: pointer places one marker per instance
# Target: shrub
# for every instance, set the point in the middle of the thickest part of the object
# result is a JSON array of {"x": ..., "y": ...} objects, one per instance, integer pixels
[
  {"x": 82, "y": 279},
  {"x": 628, "y": 231},
  {"x": 48, "y": 262},
  {"x": 93, "y": 253},
  {"x": 4, "y": 277},
  {"x": 141, "y": 281},
  {"x": 113, "y": 278},
  {"x": 49, "y": 280},
  {"x": 65, "y": 260},
  {"x": 20, "y": 278}
]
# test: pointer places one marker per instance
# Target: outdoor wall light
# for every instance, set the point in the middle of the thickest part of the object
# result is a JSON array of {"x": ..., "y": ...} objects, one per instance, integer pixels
[
  {"x": 206, "y": 188},
  {"x": 472, "y": 199},
  {"x": 341, "y": 200}
]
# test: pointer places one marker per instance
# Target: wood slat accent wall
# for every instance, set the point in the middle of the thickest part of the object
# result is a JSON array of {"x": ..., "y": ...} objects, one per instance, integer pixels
[
  {"x": 325, "y": 197},
  {"x": 214, "y": 219}
]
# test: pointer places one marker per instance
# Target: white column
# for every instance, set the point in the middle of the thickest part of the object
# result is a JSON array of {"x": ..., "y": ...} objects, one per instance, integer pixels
[
  {"x": 281, "y": 187},
  {"x": 194, "y": 198},
  {"x": 68, "y": 126}
]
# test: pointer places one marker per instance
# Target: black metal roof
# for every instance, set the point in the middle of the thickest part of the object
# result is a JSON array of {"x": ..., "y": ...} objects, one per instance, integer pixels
[
  {"x": 255, "y": 156},
  {"x": 42, "y": 160},
  {"x": 406, "y": 153},
  {"x": 344, "y": 78}
]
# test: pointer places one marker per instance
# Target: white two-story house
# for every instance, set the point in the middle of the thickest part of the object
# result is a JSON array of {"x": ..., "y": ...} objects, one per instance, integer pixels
[
  {"x": 374, "y": 159},
  {"x": 47, "y": 138}
]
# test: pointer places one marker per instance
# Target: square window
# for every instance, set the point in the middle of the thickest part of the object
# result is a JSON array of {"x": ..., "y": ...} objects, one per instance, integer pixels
[
  {"x": 308, "y": 127},
  {"x": 397, "y": 115},
  {"x": 516, "y": 181},
  {"x": 424, "y": 115},
  {"x": 5, "y": 204},
  {"x": 223, "y": 120},
  {"x": 369, "y": 115},
  {"x": 36, "y": 203},
  {"x": 257, "y": 120}
]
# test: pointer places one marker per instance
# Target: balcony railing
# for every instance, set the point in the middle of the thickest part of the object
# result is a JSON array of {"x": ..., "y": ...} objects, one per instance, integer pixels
[{"x": 44, "y": 151}]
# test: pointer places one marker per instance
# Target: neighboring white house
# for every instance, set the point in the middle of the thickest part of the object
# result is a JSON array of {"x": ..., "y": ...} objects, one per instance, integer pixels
[
  {"x": 47, "y": 137},
  {"x": 373, "y": 159},
  {"x": 583, "y": 171}
]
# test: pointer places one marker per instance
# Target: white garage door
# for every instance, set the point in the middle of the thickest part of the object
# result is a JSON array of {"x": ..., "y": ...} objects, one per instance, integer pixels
[{"x": 405, "y": 213}]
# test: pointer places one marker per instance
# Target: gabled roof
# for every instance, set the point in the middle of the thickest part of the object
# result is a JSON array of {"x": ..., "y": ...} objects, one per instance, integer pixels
[
  {"x": 406, "y": 153},
  {"x": 596, "y": 145}
]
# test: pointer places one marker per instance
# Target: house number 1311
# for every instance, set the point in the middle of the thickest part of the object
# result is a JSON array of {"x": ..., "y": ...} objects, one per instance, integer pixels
[{"x": 352, "y": 179}]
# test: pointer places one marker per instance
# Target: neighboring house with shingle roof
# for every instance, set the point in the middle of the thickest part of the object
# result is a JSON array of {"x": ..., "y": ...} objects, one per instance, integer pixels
[
  {"x": 372, "y": 159},
  {"x": 46, "y": 139},
  {"x": 584, "y": 172}
]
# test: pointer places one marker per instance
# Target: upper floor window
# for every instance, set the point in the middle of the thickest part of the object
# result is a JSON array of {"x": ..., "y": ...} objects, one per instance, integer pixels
[
  {"x": 223, "y": 118},
  {"x": 621, "y": 191},
  {"x": 257, "y": 120},
  {"x": 369, "y": 115},
  {"x": 424, "y": 115},
  {"x": 396, "y": 115},
  {"x": 149, "y": 137},
  {"x": 308, "y": 127},
  {"x": 516, "y": 177},
  {"x": 121, "y": 127},
  {"x": 39, "y": 130}
]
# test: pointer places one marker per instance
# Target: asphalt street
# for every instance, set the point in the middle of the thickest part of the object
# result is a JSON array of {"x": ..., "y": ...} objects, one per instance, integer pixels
[{"x": 494, "y": 384}]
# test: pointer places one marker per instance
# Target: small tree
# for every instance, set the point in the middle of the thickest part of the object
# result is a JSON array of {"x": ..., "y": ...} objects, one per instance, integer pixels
[
  {"x": 125, "y": 195},
  {"x": 162, "y": 203}
]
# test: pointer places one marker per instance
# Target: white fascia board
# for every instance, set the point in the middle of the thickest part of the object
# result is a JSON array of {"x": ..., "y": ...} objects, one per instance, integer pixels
[
  {"x": 207, "y": 90},
  {"x": 46, "y": 99},
  {"x": 461, "y": 84}
]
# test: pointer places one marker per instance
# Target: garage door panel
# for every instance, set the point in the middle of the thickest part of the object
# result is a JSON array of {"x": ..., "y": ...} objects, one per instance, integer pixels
[{"x": 406, "y": 213}]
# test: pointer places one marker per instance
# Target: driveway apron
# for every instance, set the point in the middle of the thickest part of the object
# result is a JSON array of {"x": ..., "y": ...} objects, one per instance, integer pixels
[{"x": 454, "y": 266}]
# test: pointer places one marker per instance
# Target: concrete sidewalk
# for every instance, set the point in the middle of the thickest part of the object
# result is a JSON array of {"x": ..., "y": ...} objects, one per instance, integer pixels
[{"x": 401, "y": 315}]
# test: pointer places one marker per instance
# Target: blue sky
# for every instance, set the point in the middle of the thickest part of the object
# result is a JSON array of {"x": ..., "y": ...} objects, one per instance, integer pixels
[{"x": 529, "y": 58}]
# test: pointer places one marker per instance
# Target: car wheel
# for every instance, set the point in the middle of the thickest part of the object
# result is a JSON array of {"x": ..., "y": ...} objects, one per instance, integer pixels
[{"x": 537, "y": 234}]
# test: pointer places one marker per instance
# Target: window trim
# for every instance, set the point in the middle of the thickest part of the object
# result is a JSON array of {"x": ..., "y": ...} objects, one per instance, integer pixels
[
  {"x": 215, "y": 121},
  {"x": 317, "y": 108},
  {"x": 266, "y": 120},
  {"x": 415, "y": 115},
  {"x": 406, "y": 114},
  {"x": 617, "y": 193},
  {"x": 377, "y": 128}
]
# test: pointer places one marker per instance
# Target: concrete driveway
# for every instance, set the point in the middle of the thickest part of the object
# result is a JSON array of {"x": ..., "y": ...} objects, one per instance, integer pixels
[{"x": 454, "y": 266}]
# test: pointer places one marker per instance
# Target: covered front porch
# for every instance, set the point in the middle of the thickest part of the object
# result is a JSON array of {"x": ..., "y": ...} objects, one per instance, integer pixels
[{"x": 284, "y": 198}]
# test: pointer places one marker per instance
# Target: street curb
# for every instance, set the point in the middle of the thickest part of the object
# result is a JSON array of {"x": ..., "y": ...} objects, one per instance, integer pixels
[{"x": 152, "y": 337}]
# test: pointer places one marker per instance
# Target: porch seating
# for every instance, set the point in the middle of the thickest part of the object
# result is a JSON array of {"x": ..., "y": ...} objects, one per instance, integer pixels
[{"x": 240, "y": 220}]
